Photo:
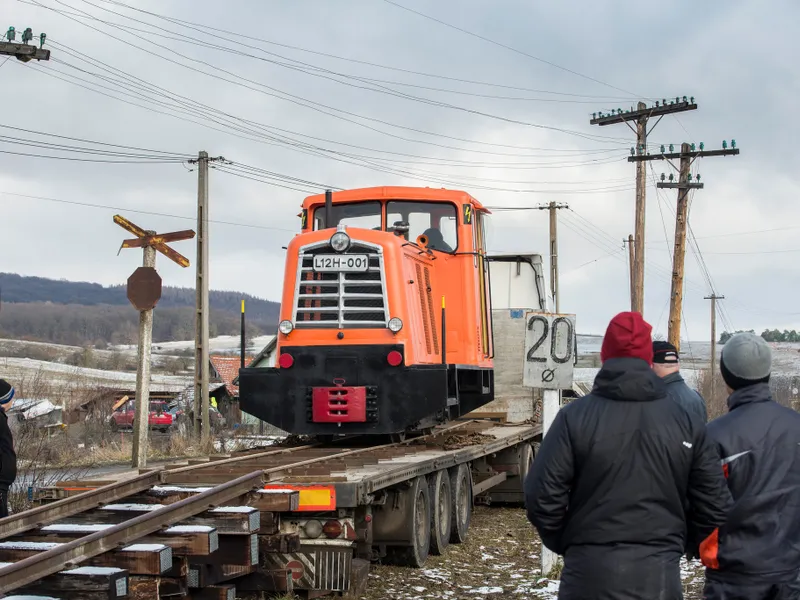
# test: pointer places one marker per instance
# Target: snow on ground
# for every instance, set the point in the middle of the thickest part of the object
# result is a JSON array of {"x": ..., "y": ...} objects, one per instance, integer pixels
[
  {"x": 222, "y": 344},
  {"x": 499, "y": 561},
  {"x": 57, "y": 373}
]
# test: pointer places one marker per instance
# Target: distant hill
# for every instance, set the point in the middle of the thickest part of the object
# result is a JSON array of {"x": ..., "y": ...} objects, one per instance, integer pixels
[{"x": 80, "y": 313}]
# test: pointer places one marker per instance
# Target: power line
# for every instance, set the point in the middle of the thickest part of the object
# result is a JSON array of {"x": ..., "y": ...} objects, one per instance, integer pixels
[
  {"x": 145, "y": 212},
  {"x": 216, "y": 31},
  {"x": 507, "y": 47}
]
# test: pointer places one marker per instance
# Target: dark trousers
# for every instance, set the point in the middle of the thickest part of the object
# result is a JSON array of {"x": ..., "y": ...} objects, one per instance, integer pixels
[
  {"x": 3, "y": 503},
  {"x": 718, "y": 590}
]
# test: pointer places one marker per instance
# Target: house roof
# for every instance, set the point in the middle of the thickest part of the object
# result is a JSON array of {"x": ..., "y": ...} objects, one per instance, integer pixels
[
  {"x": 268, "y": 349},
  {"x": 227, "y": 369}
]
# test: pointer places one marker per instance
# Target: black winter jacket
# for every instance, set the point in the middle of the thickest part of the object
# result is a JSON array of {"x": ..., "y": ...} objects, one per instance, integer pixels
[
  {"x": 686, "y": 396},
  {"x": 8, "y": 458},
  {"x": 759, "y": 447},
  {"x": 618, "y": 468}
]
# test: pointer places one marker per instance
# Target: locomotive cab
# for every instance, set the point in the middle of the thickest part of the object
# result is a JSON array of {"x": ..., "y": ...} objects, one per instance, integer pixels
[{"x": 385, "y": 322}]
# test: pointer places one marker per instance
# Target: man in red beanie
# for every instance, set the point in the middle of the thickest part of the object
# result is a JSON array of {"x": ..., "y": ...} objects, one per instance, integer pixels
[{"x": 625, "y": 482}]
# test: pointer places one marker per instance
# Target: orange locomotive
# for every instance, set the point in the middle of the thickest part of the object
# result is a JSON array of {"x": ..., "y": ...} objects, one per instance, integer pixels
[{"x": 385, "y": 316}]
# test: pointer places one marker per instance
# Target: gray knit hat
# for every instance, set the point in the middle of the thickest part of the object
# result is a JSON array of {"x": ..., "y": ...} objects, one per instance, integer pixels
[{"x": 746, "y": 359}]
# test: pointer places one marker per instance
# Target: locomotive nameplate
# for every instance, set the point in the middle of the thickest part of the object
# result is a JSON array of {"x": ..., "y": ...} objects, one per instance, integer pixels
[{"x": 348, "y": 263}]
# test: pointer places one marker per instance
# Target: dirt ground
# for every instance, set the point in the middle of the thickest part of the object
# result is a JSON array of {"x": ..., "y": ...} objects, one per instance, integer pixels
[{"x": 499, "y": 560}]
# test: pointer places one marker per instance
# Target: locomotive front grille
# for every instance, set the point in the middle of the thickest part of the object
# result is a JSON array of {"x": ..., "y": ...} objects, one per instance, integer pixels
[{"x": 341, "y": 299}]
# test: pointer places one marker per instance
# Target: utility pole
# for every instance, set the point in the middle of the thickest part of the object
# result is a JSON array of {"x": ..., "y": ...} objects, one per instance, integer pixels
[
  {"x": 24, "y": 52},
  {"x": 713, "y": 297},
  {"x": 554, "y": 289},
  {"x": 641, "y": 116},
  {"x": 201, "y": 404},
  {"x": 631, "y": 278},
  {"x": 144, "y": 292},
  {"x": 687, "y": 156}
]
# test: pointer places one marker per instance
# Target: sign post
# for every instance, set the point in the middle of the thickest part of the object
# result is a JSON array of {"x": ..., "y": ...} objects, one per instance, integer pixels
[
  {"x": 550, "y": 357},
  {"x": 144, "y": 292}
]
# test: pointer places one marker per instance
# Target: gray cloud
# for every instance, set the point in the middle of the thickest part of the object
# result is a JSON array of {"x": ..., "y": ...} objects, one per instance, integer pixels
[{"x": 736, "y": 60}]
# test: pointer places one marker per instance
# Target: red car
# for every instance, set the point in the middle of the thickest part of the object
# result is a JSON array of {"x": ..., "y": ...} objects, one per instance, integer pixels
[{"x": 159, "y": 418}]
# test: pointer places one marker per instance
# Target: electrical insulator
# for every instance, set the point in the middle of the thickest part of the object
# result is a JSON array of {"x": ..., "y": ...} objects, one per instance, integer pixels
[
  {"x": 662, "y": 148},
  {"x": 733, "y": 143},
  {"x": 698, "y": 178},
  {"x": 594, "y": 115},
  {"x": 632, "y": 151},
  {"x": 42, "y": 38},
  {"x": 672, "y": 147},
  {"x": 663, "y": 177},
  {"x": 692, "y": 146},
  {"x": 724, "y": 144},
  {"x": 691, "y": 100},
  {"x": 11, "y": 34},
  {"x": 689, "y": 177},
  {"x": 684, "y": 99},
  {"x": 27, "y": 35},
  {"x": 656, "y": 103},
  {"x": 702, "y": 145},
  {"x": 677, "y": 99},
  {"x": 671, "y": 177}
]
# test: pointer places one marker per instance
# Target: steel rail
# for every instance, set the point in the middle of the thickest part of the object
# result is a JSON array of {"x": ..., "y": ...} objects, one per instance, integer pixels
[
  {"x": 48, "y": 513},
  {"x": 34, "y": 568}
]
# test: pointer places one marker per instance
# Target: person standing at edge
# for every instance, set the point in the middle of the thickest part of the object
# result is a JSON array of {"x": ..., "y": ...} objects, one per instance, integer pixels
[
  {"x": 8, "y": 458},
  {"x": 667, "y": 365},
  {"x": 611, "y": 483},
  {"x": 757, "y": 553}
]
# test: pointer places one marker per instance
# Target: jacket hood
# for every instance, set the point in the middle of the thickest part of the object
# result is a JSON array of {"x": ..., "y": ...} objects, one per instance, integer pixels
[
  {"x": 758, "y": 392},
  {"x": 628, "y": 379}
]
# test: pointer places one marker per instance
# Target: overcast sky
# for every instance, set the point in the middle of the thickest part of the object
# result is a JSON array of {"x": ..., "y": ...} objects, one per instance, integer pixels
[{"x": 737, "y": 59}]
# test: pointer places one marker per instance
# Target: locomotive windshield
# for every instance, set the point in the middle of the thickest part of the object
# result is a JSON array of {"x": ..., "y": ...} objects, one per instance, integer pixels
[
  {"x": 366, "y": 215},
  {"x": 435, "y": 220}
]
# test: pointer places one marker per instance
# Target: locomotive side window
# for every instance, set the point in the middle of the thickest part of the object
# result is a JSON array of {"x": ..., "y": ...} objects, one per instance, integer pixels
[
  {"x": 365, "y": 215},
  {"x": 436, "y": 220}
]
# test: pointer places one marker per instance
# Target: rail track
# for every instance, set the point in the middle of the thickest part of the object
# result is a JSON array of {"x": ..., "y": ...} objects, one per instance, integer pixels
[{"x": 214, "y": 528}]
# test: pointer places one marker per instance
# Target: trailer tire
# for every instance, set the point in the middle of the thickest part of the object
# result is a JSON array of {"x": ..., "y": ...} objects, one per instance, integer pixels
[
  {"x": 461, "y": 505},
  {"x": 441, "y": 511},
  {"x": 416, "y": 554}
]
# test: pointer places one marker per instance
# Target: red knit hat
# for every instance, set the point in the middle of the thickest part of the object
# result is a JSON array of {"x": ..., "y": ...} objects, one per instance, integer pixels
[{"x": 628, "y": 335}]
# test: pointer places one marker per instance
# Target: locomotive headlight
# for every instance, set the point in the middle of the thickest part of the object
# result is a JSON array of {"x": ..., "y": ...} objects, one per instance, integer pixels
[
  {"x": 395, "y": 324},
  {"x": 340, "y": 241},
  {"x": 285, "y": 327}
]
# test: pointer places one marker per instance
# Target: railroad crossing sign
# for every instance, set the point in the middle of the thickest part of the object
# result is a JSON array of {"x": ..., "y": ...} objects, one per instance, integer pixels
[{"x": 156, "y": 240}]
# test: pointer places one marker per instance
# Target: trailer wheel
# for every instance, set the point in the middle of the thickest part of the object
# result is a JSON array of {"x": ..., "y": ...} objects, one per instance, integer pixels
[
  {"x": 461, "y": 505},
  {"x": 441, "y": 511},
  {"x": 416, "y": 554},
  {"x": 525, "y": 464}
]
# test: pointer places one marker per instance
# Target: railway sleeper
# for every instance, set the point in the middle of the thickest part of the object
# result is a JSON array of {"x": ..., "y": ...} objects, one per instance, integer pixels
[{"x": 82, "y": 583}]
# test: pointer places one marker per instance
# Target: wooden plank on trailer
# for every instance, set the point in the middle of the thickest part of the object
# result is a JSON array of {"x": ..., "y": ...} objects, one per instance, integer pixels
[
  {"x": 281, "y": 543},
  {"x": 278, "y": 580},
  {"x": 270, "y": 523},
  {"x": 193, "y": 540},
  {"x": 139, "y": 559},
  {"x": 82, "y": 582},
  {"x": 225, "y": 519},
  {"x": 238, "y": 550},
  {"x": 216, "y": 592},
  {"x": 275, "y": 500},
  {"x": 151, "y": 588}
]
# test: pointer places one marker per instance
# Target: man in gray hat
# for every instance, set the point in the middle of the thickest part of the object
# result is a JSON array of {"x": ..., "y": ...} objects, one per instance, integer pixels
[{"x": 756, "y": 554}]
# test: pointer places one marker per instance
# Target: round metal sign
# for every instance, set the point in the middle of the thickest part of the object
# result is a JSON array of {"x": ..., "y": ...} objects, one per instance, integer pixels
[{"x": 144, "y": 288}]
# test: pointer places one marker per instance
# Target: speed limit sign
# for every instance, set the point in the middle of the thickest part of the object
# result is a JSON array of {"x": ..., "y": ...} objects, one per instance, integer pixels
[{"x": 550, "y": 351}]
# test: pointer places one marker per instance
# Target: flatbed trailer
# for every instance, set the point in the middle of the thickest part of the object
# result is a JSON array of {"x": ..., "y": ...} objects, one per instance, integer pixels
[{"x": 307, "y": 519}]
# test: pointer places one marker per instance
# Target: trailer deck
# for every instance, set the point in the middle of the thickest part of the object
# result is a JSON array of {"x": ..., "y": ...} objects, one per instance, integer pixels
[{"x": 308, "y": 518}]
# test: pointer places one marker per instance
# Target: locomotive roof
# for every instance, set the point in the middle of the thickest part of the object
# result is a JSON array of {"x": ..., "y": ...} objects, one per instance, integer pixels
[{"x": 397, "y": 193}]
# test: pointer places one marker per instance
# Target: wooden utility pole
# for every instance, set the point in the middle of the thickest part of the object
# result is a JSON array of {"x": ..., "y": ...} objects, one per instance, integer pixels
[
  {"x": 713, "y": 297},
  {"x": 144, "y": 292},
  {"x": 632, "y": 277},
  {"x": 687, "y": 155},
  {"x": 641, "y": 116},
  {"x": 554, "y": 289}
]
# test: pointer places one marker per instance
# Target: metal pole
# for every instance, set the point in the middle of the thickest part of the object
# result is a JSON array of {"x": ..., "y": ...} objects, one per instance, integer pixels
[
  {"x": 201, "y": 400},
  {"x": 714, "y": 298},
  {"x": 554, "y": 257},
  {"x": 141, "y": 419},
  {"x": 550, "y": 407}
]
